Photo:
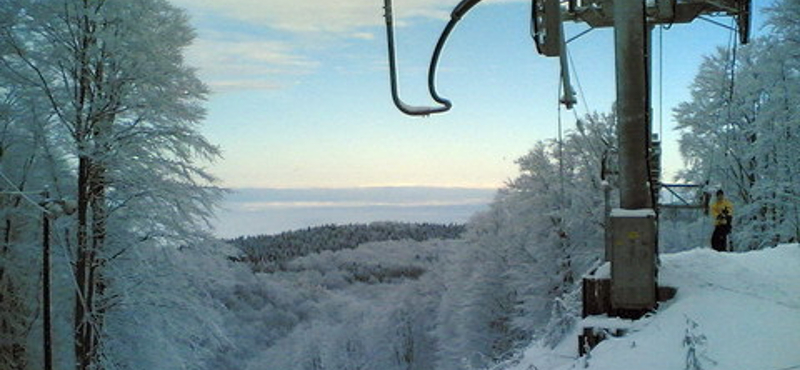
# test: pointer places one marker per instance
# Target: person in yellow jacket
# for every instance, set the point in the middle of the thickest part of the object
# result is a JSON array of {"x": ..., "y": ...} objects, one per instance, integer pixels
[{"x": 721, "y": 211}]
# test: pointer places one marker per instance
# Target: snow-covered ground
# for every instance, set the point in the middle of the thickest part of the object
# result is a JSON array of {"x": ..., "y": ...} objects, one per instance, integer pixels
[{"x": 733, "y": 311}]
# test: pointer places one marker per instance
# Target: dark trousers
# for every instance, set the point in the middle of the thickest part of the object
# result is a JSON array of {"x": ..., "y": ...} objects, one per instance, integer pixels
[{"x": 719, "y": 239}]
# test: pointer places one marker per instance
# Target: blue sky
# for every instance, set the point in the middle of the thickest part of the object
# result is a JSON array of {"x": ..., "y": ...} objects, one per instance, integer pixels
[{"x": 301, "y": 93}]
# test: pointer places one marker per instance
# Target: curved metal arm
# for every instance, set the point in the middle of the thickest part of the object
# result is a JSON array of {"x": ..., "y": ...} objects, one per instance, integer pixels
[
  {"x": 458, "y": 12},
  {"x": 462, "y": 8},
  {"x": 402, "y": 106}
]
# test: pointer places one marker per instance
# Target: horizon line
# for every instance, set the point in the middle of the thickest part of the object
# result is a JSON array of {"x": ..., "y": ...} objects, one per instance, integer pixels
[{"x": 368, "y": 187}]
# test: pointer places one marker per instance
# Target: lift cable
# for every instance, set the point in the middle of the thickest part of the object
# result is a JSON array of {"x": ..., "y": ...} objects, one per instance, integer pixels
[
  {"x": 458, "y": 12},
  {"x": 581, "y": 34},
  {"x": 561, "y": 194},
  {"x": 652, "y": 188},
  {"x": 723, "y": 25},
  {"x": 731, "y": 55},
  {"x": 24, "y": 194},
  {"x": 661, "y": 83},
  {"x": 733, "y": 43},
  {"x": 588, "y": 110},
  {"x": 578, "y": 82}
]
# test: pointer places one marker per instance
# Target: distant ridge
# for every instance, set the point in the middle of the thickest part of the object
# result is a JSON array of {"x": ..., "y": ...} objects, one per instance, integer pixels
[
  {"x": 268, "y": 253},
  {"x": 267, "y": 211}
]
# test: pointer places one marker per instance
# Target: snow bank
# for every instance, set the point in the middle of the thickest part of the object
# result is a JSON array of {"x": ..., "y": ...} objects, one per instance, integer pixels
[
  {"x": 733, "y": 311},
  {"x": 633, "y": 213}
]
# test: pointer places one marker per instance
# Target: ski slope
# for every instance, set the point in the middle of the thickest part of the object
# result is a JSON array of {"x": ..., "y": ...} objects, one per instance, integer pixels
[{"x": 733, "y": 311}]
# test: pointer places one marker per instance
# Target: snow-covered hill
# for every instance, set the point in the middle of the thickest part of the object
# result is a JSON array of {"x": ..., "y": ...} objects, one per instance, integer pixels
[{"x": 733, "y": 311}]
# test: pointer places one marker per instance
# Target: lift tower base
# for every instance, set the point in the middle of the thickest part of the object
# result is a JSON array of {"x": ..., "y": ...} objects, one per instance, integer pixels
[{"x": 633, "y": 262}]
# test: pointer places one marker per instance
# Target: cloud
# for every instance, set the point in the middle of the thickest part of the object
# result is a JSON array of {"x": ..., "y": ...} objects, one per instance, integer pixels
[
  {"x": 397, "y": 195},
  {"x": 231, "y": 57},
  {"x": 341, "y": 16},
  {"x": 236, "y": 62},
  {"x": 261, "y": 206},
  {"x": 363, "y": 35}
]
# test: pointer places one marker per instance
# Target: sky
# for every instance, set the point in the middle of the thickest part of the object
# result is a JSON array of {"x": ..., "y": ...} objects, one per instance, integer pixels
[
  {"x": 301, "y": 99},
  {"x": 301, "y": 90}
]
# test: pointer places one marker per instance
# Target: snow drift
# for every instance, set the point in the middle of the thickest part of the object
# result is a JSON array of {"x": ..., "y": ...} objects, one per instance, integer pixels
[{"x": 732, "y": 311}]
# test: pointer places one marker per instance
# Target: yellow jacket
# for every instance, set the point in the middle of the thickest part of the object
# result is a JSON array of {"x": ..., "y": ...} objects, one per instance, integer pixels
[{"x": 719, "y": 207}]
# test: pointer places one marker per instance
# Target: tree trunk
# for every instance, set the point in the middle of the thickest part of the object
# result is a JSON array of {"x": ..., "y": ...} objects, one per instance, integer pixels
[
  {"x": 15, "y": 308},
  {"x": 97, "y": 285},
  {"x": 88, "y": 311},
  {"x": 90, "y": 194},
  {"x": 12, "y": 348},
  {"x": 82, "y": 305}
]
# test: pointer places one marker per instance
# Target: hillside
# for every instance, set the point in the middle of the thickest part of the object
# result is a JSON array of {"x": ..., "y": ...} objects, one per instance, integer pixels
[
  {"x": 732, "y": 311},
  {"x": 271, "y": 252}
]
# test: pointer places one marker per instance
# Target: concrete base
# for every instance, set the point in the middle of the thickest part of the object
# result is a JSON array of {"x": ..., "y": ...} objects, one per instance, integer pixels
[{"x": 633, "y": 261}]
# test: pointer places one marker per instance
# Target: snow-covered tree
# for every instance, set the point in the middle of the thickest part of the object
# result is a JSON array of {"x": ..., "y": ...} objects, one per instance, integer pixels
[
  {"x": 31, "y": 162},
  {"x": 109, "y": 81},
  {"x": 515, "y": 279},
  {"x": 557, "y": 218},
  {"x": 473, "y": 319},
  {"x": 741, "y": 131},
  {"x": 784, "y": 21}
]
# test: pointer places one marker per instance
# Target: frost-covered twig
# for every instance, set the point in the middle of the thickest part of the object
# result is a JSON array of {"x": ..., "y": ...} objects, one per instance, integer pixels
[{"x": 695, "y": 343}]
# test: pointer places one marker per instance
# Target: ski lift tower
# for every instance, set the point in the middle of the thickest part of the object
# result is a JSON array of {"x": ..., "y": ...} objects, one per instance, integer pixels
[
  {"x": 633, "y": 288},
  {"x": 633, "y": 249}
]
